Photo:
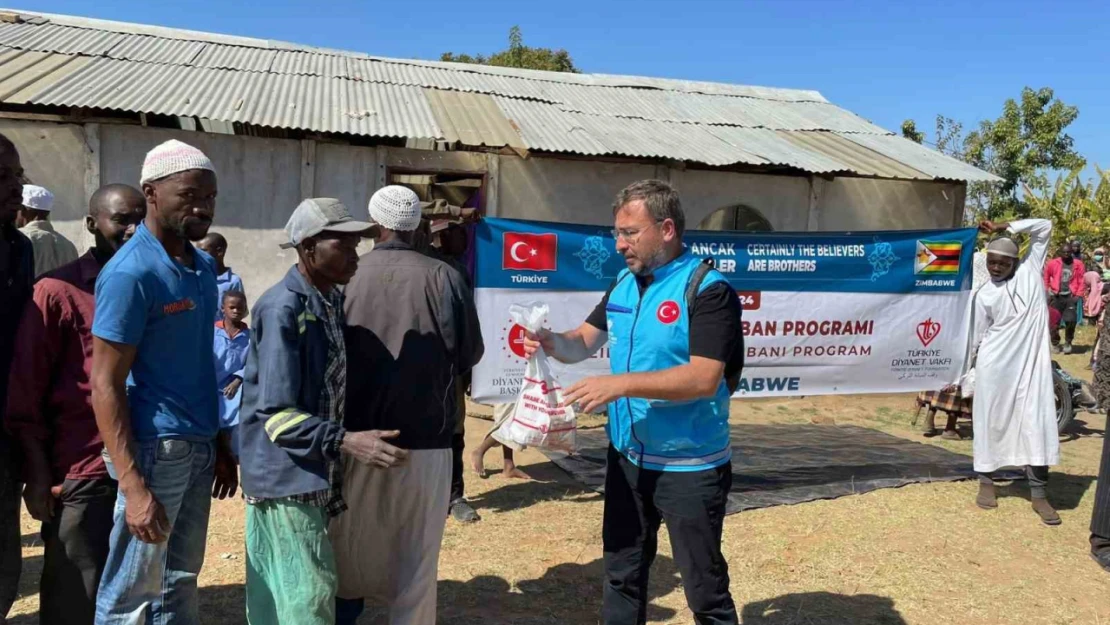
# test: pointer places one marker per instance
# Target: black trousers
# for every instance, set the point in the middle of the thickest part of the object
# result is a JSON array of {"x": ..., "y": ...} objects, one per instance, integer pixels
[
  {"x": 11, "y": 550},
  {"x": 75, "y": 545},
  {"x": 1068, "y": 307},
  {"x": 1100, "y": 520},
  {"x": 693, "y": 507},
  {"x": 457, "y": 443},
  {"x": 1037, "y": 477}
]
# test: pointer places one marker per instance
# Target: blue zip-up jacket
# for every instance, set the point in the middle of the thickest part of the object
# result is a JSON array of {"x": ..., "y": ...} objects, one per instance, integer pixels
[
  {"x": 651, "y": 333},
  {"x": 285, "y": 446}
]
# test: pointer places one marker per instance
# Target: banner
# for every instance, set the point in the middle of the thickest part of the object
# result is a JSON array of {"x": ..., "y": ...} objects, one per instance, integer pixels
[{"x": 823, "y": 312}]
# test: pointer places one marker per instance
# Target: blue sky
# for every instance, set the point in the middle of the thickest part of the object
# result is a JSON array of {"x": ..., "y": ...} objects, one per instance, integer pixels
[{"x": 886, "y": 60}]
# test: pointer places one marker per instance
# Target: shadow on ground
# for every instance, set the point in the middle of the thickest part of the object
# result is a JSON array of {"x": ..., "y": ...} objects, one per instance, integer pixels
[
  {"x": 1065, "y": 491},
  {"x": 1079, "y": 428},
  {"x": 225, "y": 605},
  {"x": 567, "y": 594},
  {"x": 548, "y": 483},
  {"x": 822, "y": 608}
]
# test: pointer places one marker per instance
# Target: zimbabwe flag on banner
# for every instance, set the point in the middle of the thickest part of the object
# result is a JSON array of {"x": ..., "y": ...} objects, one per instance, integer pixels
[{"x": 938, "y": 257}]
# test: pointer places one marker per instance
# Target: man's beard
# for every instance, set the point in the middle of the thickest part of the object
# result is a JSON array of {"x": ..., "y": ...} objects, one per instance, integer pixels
[{"x": 649, "y": 264}]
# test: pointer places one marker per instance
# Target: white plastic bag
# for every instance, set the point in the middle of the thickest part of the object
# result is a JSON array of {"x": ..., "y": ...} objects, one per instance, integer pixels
[{"x": 538, "y": 420}]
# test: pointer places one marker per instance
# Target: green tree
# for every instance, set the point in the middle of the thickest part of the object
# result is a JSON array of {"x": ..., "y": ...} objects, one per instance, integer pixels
[
  {"x": 910, "y": 131},
  {"x": 1078, "y": 209},
  {"x": 519, "y": 55},
  {"x": 1022, "y": 146}
]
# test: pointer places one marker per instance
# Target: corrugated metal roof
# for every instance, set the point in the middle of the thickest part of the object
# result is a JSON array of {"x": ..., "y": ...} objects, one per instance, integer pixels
[
  {"x": 235, "y": 57},
  {"x": 305, "y": 63},
  {"x": 472, "y": 119},
  {"x": 76, "y": 62},
  {"x": 61, "y": 39},
  {"x": 776, "y": 149},
  {"x": 278, "y": 100},
  {"x": 853, "y": 156},
  {"x": 156, "y": 50},
  {"x": 931, "y": 162},
  {"x": 23, "y": 72}
]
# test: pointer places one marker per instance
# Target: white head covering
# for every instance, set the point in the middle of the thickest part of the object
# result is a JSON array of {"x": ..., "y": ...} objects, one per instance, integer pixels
[
  {"x": 396, "y": 208},
  {"x": 1003, "y": 247},
  {"x": 38, "y": 198},
  {"x": 173, "y": 157}
]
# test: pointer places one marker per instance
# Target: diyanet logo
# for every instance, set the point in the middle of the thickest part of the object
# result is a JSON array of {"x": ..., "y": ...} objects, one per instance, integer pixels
[{"x": 927, "y": 331}]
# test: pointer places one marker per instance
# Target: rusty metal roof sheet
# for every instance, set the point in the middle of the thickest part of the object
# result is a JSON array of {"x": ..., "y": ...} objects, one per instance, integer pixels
[
  {"x": 472, "y": 119},
  {"x": 930, "y": 162}
]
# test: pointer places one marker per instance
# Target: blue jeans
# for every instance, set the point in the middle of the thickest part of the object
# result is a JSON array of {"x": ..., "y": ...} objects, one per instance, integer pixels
[{"x": 145, "y": 584}]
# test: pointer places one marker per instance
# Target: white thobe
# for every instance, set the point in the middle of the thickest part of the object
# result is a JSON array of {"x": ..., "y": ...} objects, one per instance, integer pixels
[{"x": 1014, "y": 412}]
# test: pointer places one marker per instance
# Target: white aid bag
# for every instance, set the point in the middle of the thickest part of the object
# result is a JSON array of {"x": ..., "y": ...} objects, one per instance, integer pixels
[{"x": 538, "y": 419}]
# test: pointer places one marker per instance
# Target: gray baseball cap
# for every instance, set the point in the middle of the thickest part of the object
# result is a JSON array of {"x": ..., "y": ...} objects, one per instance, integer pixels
[{"x": 320, "y": 214}]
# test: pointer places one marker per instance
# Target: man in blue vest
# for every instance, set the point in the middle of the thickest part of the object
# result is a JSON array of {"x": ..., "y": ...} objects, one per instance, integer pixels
[{"x": 669, "y": 454}]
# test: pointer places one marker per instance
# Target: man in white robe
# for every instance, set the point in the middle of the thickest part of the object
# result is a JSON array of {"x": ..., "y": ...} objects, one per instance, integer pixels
[{"x": 1014, "y": 412}]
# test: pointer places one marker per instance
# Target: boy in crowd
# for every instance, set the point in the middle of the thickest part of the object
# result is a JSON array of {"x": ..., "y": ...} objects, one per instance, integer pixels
[
  {"x": 226, "y": 279},
  {"x": 230, "y": 346}
]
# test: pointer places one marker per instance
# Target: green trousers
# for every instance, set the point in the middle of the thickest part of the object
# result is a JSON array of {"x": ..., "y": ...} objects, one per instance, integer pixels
[{"x": 291, "y": 575}]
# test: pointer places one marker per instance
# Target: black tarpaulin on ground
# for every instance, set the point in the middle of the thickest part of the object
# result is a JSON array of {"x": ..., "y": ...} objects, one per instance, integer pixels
[{"x": 776, "y": 465}]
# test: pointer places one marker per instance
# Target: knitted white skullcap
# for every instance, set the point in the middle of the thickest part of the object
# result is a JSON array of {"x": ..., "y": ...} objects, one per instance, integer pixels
[
  {"x": 173, "y": 157},
  {"x": 396, "y": 208},
  {"x": 1003, "y": 247},
  {"x": 37, "y": 197}
]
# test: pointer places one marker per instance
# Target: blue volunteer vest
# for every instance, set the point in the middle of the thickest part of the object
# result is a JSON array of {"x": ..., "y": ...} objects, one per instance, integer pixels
[{"x": 651, "y": 333}]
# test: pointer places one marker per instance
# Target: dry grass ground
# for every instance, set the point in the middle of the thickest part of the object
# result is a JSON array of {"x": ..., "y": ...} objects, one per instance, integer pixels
[{"x": 922, "y": 555}]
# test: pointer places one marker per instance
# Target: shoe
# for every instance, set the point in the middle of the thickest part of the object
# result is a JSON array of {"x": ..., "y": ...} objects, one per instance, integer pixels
[
  {"x": 463, "y": 512},
  {"x": 929, "y": 429},
  {"x": 1056, "y": 349},
  {"x": 986, "y": 498},
  {"x": 1102, "y": 558},
  {"x": 951, "y": 435},
  {"x": 1067, "y": 348},
  {"x": 1046, "y": 511}
]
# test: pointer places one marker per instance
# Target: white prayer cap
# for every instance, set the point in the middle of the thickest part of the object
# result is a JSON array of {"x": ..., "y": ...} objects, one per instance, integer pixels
[
  {"x": 173, "y": 157},
  {"x": 1003, "y": 247},
  {"x": 396, "y": 208},
  {"x": 37, "y": 197}
]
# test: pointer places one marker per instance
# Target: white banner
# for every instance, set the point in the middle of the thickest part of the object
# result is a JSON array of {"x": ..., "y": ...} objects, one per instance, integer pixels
[{"x": 795, "y": 343}]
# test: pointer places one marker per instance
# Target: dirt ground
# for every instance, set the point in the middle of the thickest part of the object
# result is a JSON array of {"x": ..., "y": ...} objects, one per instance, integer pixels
[{"x": 920, "y": 555}]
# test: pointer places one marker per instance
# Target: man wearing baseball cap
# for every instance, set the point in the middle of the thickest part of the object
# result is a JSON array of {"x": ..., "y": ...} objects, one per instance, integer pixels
[
  {"x": 412, "y": 330},
  {"x": 152, "y": 377},
  {"x": 52, "y": 250},
  {"x": 291, "y": 428}
]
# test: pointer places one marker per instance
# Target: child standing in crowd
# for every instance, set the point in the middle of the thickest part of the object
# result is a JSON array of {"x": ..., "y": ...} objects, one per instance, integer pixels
[
  {"x": 230, "y": 351},
  {"x": 226, "y": 279}
]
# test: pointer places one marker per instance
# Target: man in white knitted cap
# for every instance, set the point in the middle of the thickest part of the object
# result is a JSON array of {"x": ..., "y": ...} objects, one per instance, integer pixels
[
  {"x": 1014, "y": 411},
  {"x": 52, "y": 250},
  {"x": 152, "y": 380},
  {"x": 412, "y": 330}
]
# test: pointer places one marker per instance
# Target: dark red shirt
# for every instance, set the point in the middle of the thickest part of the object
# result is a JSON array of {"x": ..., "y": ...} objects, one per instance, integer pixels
[{"x": 49, "y": 396}]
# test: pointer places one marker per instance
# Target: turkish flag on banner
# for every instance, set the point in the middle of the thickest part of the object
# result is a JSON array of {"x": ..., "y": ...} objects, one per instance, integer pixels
[{"x": 527, "y": 251}]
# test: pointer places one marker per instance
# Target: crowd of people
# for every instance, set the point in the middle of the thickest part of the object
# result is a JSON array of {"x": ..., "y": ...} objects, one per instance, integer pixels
[{"x": 138, "y": 393}]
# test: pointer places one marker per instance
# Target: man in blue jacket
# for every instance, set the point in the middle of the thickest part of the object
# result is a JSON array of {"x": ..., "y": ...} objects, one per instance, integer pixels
[
  {"x": 669, "y": 454},
  {"x": 291, "y": 429}
]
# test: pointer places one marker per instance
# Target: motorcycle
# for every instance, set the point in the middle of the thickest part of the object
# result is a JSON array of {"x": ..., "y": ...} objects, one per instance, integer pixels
[{"x": 1072, "y": 395}]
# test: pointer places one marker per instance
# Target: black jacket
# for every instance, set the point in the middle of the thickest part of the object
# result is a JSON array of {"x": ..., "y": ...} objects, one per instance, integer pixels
[{"x": 412, "y": 329}]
